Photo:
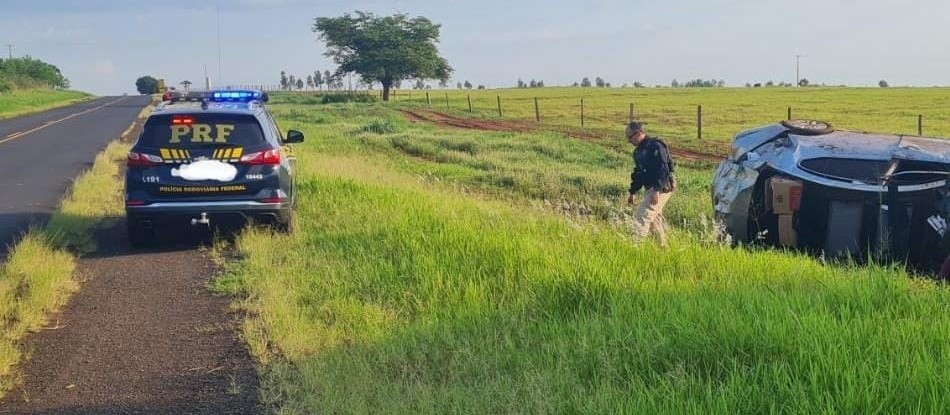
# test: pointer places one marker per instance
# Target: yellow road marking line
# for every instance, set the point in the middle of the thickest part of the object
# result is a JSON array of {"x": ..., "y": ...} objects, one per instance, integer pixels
[{"x": 16, "y": 135}]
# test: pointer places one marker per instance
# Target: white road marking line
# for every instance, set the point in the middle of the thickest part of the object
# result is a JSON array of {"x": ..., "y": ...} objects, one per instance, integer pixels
[{"x": 14, "y": 136}]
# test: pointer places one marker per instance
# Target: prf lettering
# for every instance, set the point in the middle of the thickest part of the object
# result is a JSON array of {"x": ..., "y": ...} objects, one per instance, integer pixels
[{"x": 201, "y": 133}]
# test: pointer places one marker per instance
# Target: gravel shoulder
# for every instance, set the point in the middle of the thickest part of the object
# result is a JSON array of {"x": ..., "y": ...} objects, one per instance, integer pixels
[{"x": 143, "y": 335}]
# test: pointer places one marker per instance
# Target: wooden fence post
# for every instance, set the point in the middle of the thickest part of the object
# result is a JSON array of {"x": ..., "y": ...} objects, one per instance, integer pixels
[
  {"x": 446, "y": 101},
  {"x": 920, "y": 124},
  {"x": 537, "y": 111},
  {"x": 469, "y": 103},
  {"x": 631, "y": 112},
  {"x": 789, "y": 114},
  {"x": 582, "y": 112},
  {"x": 699, "y": 122},
  {"x": 428, "y": 100},
  {"x": 499, "y": 105}
]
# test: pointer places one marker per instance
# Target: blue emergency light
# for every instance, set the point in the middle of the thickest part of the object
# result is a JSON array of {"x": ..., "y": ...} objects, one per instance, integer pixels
[{"x": 238, "y": 96}]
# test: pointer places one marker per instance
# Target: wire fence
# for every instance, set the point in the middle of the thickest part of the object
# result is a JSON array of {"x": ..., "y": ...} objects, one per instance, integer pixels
[
  {"x": 714, "y": 122},
  {"x": 691, "y": 122}
]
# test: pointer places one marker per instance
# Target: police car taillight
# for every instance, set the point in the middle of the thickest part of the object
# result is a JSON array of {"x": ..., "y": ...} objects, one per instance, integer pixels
[
  {"x": 143, "y": 160},
  {"x": 182, "y": 120},
  {"x": 267, "y": 157}
]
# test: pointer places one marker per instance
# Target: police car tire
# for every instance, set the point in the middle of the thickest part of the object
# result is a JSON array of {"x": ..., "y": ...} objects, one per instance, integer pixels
[{"x": 287, "y": 225}]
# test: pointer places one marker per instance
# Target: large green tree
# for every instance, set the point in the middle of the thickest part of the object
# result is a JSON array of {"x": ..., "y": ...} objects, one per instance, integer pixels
[
  {"x": 27, "y": 72},
  {"x": 146, "y": 85},
  {"x": 384, "y": 49}
]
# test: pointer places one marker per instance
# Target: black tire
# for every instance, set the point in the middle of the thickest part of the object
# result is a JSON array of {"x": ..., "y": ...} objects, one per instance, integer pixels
[
  {"x": 808, "y": 127},
  {"x": 139, "y": 236},
  {"x": 286, "y": 224}
]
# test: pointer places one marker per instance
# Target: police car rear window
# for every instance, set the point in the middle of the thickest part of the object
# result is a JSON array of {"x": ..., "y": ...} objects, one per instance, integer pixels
[{"x": 201, "y": 130}]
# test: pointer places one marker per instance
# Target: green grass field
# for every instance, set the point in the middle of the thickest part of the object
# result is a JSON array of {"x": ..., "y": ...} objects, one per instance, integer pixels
[
  {"x": 19, "y": 102},
  {"x": 445, "y": 271},
  {"x": 726, "y": 111}
]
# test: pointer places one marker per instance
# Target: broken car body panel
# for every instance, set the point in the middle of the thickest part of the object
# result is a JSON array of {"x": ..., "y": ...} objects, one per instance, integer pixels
[{"x": 866, "y": 172}]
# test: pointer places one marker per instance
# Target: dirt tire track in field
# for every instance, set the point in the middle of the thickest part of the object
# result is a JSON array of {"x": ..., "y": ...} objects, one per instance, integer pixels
[
  {"x": 143, "y": 335},
  {"x": 446, "y": 120}
]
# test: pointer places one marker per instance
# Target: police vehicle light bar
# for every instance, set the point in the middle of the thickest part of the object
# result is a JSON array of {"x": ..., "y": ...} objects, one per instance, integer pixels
[{"x": 238, "y": 96}]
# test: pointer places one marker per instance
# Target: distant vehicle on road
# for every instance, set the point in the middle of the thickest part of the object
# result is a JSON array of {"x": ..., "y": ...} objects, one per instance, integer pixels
[
  {"x": 171, "y": 95},
  {"x": 210, "y": 159},
  {"x": 801, "y": 184}
]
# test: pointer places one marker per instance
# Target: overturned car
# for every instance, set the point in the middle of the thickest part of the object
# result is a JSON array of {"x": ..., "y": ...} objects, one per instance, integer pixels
[{"x": 801, "y": 184}]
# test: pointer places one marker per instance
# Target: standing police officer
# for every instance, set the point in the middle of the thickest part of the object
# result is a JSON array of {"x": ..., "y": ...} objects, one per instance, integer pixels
[{"x": 653, "y": 170}]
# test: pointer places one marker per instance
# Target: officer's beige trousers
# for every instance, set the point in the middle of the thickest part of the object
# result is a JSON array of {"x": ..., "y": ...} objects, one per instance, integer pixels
[{"x": 649, "y": 217}]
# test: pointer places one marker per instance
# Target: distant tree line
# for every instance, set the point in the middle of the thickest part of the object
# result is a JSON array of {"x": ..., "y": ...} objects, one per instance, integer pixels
[
  {"x": 317, "y": 80},
  {"x": 530, "y": 84},
  {"x": 586, "y": 83},
  {"x": 26, "y": 72},
  {"x": 699, "y": 83}
]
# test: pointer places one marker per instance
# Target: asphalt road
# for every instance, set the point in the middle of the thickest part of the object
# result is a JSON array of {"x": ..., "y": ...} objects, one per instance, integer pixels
[{"x": 40, "y": 154}]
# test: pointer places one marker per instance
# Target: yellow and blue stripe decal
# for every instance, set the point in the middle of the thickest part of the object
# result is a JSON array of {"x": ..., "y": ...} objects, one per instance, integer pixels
[
  {"x": 228, "y": 154},
  {"x": 172, "y": 155}
]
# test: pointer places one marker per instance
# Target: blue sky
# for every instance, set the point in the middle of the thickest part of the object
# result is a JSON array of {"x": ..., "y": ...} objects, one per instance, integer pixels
[{"x": 104, "y": 45}]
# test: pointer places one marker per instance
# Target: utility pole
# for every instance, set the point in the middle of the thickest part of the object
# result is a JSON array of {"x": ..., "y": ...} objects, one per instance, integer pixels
[
  {"x": 798, "y": 78},
  {"x": 219, "y": 42},
  {"x": 10, "y": 47}
]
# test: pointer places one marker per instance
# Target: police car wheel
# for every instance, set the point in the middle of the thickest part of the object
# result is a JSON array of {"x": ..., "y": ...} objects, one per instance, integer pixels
[{"x": 286, "y": 225}]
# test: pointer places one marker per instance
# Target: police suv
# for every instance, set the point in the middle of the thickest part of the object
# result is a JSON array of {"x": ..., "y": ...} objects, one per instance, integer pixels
[{"x": 208, "y": 159}]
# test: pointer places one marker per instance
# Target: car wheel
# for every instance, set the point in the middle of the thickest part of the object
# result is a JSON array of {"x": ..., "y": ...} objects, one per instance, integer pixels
[
  {"x": 808, "y": 127},
  {"x": 286, "y": 225},
  {"x": 139, "y": 236}
]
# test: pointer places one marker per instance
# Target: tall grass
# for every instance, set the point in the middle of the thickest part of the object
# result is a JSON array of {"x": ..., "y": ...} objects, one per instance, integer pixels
[
  {"x": 401, "y": 294},
  {"x": 580, "y": 178},
  {"x": 96, "y": 197},
  {"x": 19, "y": 102},
  {"x": 35, "y": 280}
]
